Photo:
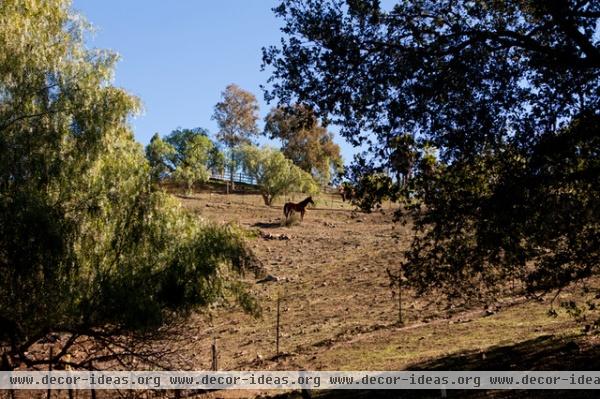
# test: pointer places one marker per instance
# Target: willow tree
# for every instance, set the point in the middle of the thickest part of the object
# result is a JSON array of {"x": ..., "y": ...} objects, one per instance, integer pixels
[
  {"x": 88, "y": 248},
  {"x": 274, "y": 173}
]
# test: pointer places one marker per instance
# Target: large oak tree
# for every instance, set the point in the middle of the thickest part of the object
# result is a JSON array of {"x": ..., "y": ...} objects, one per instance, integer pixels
[{"x": 506, "y": 92}]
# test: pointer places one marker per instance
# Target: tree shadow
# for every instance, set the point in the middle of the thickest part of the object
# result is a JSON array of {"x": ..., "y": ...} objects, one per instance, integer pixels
[
  {"x": 542, "y": 353},
  {"x": 267, "y": 225}
]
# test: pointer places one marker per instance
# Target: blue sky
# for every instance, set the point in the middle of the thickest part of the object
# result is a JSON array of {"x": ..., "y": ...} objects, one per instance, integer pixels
[{"x": 178, "y": 56}]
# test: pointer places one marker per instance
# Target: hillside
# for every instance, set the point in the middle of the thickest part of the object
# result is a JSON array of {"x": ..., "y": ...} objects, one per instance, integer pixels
[{"x": 338, "y": 311}]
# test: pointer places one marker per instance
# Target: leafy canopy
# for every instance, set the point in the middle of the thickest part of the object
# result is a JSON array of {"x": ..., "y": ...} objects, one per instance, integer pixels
[
  {"x": 236, "y": 115},
  {"x": 88, "y": 246},
  {"x": 274, "y": 173},
  {"x": 180, "y": 140},
  {"x": 159, "y": 153},
  {"x": 187, "y": 156},
  {"x": 308, "y": 144},
  {"x": 507, "y": 94},
  {"x": 192, "y": 165}
]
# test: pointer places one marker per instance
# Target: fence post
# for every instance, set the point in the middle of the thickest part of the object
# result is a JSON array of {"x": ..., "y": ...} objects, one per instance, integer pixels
[
  {"x": 72, "y": 393},
  {"x": 213, "y": 350},
  {"x": 277, "y": 328},
  {"x": 90, "y": 367},
  {"x": 400, "y": 297}
]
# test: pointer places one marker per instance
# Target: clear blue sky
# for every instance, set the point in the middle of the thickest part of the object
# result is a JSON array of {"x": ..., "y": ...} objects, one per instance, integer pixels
[{"x": 178, "y": 56}]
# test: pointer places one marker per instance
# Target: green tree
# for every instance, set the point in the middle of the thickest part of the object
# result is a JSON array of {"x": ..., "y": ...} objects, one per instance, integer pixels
[
  {"x": 236, "y": 114},
  {"x": 217, "y": 160},
  {"x": 159, "y": 155},
  {"x": 180, "y": 139},
  {"x": 193, "y": 166},
  {"x": 90, "y": 251},
  {"x": 308, "y": 144},
  {"x": 274, "y": 173},
  {"x": 187, "y": 155},
  {"x": 506, "y": 91}
]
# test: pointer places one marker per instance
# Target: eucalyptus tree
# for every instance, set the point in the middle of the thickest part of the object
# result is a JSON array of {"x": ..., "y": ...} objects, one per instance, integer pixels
[
  {"x": 305, "y": 141},
  {"x": 236, "y": 114}
]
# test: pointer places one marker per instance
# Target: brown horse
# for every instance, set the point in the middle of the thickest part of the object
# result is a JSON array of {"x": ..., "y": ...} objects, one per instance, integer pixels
[{"x": 290, "y": 207}]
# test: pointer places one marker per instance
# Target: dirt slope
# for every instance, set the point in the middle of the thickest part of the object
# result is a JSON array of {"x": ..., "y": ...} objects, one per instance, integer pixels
[{"x": 338, "y": 311}]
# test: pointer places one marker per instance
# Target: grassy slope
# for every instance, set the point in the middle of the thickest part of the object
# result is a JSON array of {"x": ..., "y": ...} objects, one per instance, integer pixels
[{"x": 338, "y": 312}]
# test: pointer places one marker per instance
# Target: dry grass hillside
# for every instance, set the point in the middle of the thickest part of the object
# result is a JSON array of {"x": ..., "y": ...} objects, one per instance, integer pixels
[{"x": 338, "y": 311}]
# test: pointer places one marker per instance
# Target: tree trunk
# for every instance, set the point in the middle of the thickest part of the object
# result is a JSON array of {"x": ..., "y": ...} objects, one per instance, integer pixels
[
  {"x": 268, "y": 199},
  {"x": 232, "y": 170}
]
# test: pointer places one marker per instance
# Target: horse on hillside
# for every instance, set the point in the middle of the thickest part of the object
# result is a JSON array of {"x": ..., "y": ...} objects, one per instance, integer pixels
[{"x": 290, "y": 207}]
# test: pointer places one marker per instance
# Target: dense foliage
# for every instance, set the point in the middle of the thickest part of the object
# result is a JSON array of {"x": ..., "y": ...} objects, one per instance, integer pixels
[
  {"x": 186, "y": 156},
  {"x": 506, "y": 92},
  {"x": 88, "y": 246},
  {"x": 308, "y": 144},
  {"x": 192, "y": 157},
  {"x": 159, "y": 155}
]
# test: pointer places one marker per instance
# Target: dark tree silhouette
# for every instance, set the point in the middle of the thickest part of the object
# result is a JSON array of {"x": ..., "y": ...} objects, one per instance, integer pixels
[{"x": 506, "y": 92}]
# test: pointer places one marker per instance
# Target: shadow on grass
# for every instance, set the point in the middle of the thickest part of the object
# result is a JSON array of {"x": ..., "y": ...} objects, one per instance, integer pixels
[
  {"x": 267, "y": 225},
  {"x": 542, "y": 353}
]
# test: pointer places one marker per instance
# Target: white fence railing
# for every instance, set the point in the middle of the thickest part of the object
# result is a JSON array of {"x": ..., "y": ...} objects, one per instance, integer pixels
[{"x": 238, "y": 177}]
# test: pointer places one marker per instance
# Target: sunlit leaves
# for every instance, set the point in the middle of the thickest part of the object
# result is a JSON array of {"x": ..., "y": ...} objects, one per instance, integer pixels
[
  {"x": 308, "y": 144},
  {"x": 193, "y": 167},
  {"x": 274, "y": 173},
  {"x": 159, "y": 154},
  {"x": 86, "y": 238},
  {"x": 236, "y": 114}
]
